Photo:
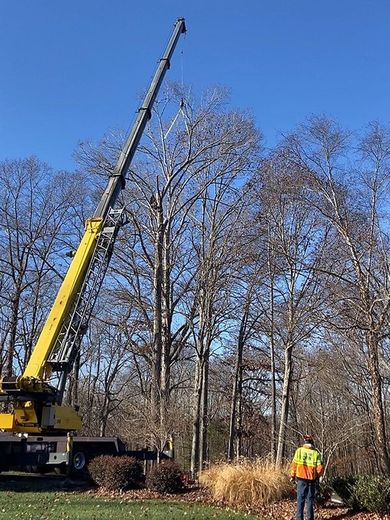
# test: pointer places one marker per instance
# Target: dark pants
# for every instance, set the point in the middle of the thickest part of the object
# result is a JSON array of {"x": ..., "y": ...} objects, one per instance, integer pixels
[{"x": 306, "y": 490}]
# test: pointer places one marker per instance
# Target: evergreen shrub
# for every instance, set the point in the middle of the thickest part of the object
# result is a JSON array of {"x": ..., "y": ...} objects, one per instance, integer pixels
[
  {"x": 344, "y": 487},
  {"x": 116, "y": 473},
  {"x": 364, "y": 492},
  {"x": 372, "y": 493},
  {"x": 323, "y": 493}
]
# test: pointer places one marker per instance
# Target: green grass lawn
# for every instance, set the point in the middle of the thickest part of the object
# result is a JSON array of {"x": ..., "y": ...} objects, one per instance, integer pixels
[{"x": 16, "y": 505}]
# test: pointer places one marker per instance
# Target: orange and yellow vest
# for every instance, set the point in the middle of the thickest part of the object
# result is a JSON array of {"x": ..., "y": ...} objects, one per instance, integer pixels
[{"x": 307, "y": 463}]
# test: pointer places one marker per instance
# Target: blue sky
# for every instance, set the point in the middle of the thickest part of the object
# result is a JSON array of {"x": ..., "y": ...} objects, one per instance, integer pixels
[{"x": 73, "y": 69}]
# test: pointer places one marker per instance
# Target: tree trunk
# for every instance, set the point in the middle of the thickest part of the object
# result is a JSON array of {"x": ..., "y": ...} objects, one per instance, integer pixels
[
  {"x": 377, "y": 403},
  {"x": 76, "y": 373},
  {"x": 285, "y": 403},
  {"x": 157, "y": 328},
  {"x": 104, "y": 417},
  {"x": 204, "y": 425},
  {"x": 232, "y": 420},
  {"x": 273, "y": 373},
  {"x": 166, "y": 339},
  {"x": 196, "y": 419},
  {"x": 235, "y": 420},
  {"x": 239, "y": 416},
  {"x": 12, "y": 334}
]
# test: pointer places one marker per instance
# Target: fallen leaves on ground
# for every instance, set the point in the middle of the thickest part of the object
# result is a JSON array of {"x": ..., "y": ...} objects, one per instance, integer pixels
[
  {"x": 283, "y": 510},
  {"x": 286, "y": 510}
]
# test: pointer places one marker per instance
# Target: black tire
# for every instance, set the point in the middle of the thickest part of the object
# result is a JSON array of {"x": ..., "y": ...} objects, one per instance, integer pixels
[
  {"x": 31, "y": 468},
  {"x": 41, "y": 469},
  {"x": 79, "y": 463}
]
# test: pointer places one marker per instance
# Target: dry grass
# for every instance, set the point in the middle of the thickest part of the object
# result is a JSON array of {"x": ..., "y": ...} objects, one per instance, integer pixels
[{"x": 247, "y": 483}]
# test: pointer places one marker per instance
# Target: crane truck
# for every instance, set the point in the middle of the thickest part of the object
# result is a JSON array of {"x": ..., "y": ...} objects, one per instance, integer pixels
[{"x": 39, "y": 432}]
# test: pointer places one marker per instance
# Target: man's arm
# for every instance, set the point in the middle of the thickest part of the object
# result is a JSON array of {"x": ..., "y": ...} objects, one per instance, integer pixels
[
  {"x": 320, "y": 466},
  {"x": 293, "y": 469}
]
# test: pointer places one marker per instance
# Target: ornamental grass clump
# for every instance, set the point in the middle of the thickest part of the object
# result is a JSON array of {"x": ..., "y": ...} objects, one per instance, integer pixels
[
  {"x": 115, "y": 473},
  {"x": 247, "y": 483}
]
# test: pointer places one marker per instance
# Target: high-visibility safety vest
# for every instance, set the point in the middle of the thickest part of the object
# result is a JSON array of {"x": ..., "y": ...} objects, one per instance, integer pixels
[{"x": 307, "y": 463}]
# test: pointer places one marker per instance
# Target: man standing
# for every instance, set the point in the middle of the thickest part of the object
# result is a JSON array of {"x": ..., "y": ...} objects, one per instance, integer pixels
[{"x": 306, "y": 468}]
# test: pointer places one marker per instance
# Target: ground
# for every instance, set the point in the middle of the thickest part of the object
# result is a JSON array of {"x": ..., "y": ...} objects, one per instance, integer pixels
[
  {"x": 284, "y": 510},
  {"x": 38, "y": 485}
]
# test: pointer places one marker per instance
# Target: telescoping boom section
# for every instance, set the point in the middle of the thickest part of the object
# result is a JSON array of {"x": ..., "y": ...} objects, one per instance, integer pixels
[{"x": 36, "y": 395}]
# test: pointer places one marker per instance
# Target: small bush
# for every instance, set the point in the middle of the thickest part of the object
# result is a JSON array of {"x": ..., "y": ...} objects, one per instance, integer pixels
[
  {"x": 115, "y": 473},
  {"x": 323, "y": 493},
  {"x": 166, "y": 477},
  {"x": 344, "y": 487},
  {"x": 373, "y": 493},
  {"x": 247, "y": 483}
]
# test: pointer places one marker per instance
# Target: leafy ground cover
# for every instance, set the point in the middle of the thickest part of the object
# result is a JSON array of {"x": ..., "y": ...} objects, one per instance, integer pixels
[
  {"x": 71, "y": 505},
  {"x": 286, "y": 510},
  {"x": 36, "y": 497}
]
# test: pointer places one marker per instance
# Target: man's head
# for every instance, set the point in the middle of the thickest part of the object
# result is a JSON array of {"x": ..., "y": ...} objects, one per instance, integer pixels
[{"x": 308, "y": 439}]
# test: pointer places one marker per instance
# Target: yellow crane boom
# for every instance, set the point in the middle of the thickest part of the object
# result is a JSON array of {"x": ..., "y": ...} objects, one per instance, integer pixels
[{"x": 37, "y": 404}]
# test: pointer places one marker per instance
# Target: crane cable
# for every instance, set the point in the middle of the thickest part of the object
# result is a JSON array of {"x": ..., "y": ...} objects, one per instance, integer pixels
[
  {"x": 182, "y": 101},
  {"x": 180, "y": 111}
]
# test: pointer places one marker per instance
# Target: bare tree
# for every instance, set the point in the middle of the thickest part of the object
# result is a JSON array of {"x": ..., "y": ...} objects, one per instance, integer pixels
[
  {"x": 34, "y": 229},
  {"x": 292, "y": 236},
  {"x": 350, "y": 197},
  {"x": 180, "y": 161},
  {"x": 248, "y": 313}
]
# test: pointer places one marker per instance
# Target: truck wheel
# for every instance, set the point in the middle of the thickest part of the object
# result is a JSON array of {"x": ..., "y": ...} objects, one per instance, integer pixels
[
  {"x": 31, "y": 468},
  {"x": 79, "y": 462}
]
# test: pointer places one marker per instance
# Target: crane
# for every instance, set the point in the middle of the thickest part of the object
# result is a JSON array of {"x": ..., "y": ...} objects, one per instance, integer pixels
[{"x": 37, "y": 406}]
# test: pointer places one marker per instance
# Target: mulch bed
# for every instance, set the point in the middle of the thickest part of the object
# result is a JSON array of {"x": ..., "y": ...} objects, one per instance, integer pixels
[{"x": 284, "y": 510}]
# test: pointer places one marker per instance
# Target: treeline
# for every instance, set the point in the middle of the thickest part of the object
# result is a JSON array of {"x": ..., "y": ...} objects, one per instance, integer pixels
[{"x": 247, "y": 301}]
